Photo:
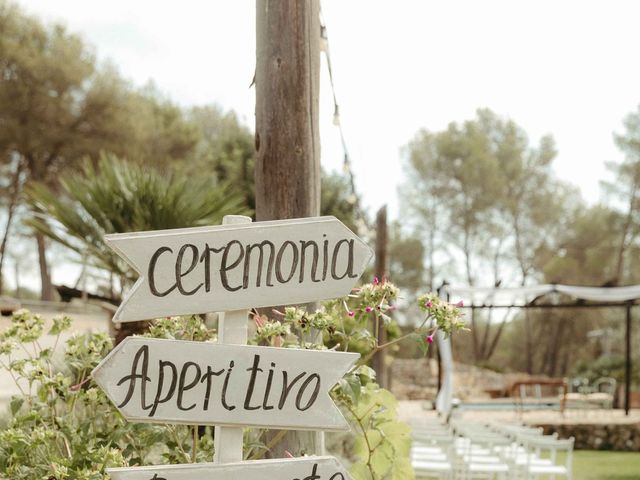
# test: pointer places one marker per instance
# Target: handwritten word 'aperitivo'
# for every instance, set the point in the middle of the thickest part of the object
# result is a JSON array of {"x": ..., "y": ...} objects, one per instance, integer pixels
[{"x": 173, "y": 381}]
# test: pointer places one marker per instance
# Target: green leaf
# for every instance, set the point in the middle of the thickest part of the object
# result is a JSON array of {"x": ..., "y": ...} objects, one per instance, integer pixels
[{"x": 16, "y": 403}]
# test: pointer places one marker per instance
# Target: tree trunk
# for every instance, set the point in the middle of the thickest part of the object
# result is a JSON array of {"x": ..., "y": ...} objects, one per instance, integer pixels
[
  {"x": 623, "y": 239},
  {"x": 287, "y": 170},
  {"x": 13, "y": 203},
  {"x": 528, "y": 340},
  {"x": 46, "y": 288}
]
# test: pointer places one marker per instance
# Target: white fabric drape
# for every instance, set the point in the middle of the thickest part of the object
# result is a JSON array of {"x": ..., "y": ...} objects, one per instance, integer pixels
[
  {"x": 445, "y": 395},
  {"x": 518, "y": 296}
]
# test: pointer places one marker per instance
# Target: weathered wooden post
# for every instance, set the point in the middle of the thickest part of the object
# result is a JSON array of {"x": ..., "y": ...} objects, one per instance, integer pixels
[
  {"x": 287, "y": 140},
  {"x": 382, "y": 271},
  {"x": 287, "y": 172}
]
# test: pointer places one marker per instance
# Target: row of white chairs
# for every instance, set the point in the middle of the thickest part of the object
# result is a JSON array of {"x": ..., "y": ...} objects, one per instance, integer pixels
[{"x": 470, "y": 450}]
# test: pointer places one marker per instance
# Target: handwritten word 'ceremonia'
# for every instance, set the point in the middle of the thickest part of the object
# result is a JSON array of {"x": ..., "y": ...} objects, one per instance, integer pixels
[
  {"x": 262, "y": 389},
  {"x": 245, "y": 265}
]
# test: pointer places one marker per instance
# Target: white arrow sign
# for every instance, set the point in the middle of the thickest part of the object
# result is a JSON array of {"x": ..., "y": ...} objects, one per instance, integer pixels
[
  {"x": 234, "y": 267},
  {"x": 305, "y": 468},
  {"x": 200, "y": 383}
]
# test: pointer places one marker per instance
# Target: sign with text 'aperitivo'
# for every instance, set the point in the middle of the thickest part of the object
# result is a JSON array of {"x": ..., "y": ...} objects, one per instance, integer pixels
[
  {"x": 305, "y": 468},
  {"x": 233, "y": 267},
  {"x": 201, "y": 383}
]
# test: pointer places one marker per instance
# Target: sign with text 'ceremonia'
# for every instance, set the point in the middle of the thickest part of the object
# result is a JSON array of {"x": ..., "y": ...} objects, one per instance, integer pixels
[
  {"x": 233, "y": 267},
  {"x": 306, "y": 468},
  {"x": 200, "y": 383}
]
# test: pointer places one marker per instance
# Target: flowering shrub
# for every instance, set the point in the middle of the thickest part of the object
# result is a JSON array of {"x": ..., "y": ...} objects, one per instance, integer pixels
[{"x": 62, "y": 426}]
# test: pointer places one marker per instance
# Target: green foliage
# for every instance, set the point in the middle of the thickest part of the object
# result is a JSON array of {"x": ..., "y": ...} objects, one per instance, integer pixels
[
  {"x": 119, "y": 196},
  {"x": 487, "y": 202},
  {"x": 63, "y": 426},
  {"x": 225, "y": 151},
  {"x": 383, "y": 443},
  {"x": 606, "y": 366},
  {"x": 337, "y": 199}
]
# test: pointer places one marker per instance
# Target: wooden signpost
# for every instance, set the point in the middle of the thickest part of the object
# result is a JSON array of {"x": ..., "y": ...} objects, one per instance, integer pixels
[
  {"x": 200, "y": 383},
  {"x": 229, "y": 269}
]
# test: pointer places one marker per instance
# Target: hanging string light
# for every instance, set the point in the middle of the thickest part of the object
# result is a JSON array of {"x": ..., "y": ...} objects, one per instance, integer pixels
[{"x": 354, "y": 198}]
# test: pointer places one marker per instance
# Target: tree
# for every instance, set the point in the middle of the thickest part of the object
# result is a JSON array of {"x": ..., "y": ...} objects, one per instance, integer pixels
[
  {"x": 627, "y": 189},
  {"x": 224, "y": 150},
  {"x": 57, "y": 106},
  {"x": 120, "y": 196},
  {"x": 486, "y": 191}
]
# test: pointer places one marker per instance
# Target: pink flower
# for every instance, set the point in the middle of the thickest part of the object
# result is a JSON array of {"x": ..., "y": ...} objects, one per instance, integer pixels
[
  {"x": 368, "y": 309},
  {"x": 429, "y": 304},
  {"x": 460, "y": 304},
  {"x": 351, "y": 313},
  {"x": 376, "y": 280},
  {"x": 429, "y": 338}
]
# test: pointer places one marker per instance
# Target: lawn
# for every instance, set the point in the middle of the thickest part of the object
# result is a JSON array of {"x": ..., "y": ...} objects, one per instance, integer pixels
[{"x": 600, "y": 465}]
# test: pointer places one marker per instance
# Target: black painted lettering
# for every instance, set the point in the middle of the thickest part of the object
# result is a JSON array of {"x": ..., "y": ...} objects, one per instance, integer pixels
[
  {"x": 337, "y": 476},
  {"x": 247, "y": 263},
  {"x": 206, "y": 259},
  {"x": 314, "y": 265},
  {"x": 267, "y": 389},
  {"x": 151, "y": 273},
  {"x": 312, "y": 397},
  {"x": 294, "y": 261},
  {"x": 172, "y": 388},
  {"x": 207, "y": 377},
  {"x": 180, "y": 274},
  {"x": 142, "y": 353},
  {"x": 325, "y": 257},
  {"x": 286, "y": 387},
  {"x": 314, "y": 475},
  {"x": 181, "y": 383},
  {"x": 252, "y": 382},
  {"x": 334, "y": 260},
  {"x": 225, "y": 385},
  {"x": 225, "y": 267}
]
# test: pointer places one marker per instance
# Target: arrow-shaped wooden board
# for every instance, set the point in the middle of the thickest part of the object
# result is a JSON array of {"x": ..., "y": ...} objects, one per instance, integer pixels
[
  {"x": 305, "y": 468},
  {"x": 234, "y": 267},
  {"x": 201, "y": 383}
]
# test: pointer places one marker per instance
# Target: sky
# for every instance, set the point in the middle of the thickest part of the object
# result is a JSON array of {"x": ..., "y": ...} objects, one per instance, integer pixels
[{"x": 566, "y": 68}]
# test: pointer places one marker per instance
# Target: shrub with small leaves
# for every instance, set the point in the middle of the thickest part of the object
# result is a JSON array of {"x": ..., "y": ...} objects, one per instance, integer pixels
[{"x": 63, "y": 427}]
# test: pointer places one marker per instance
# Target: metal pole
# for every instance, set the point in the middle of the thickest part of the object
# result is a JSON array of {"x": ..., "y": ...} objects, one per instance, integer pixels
[{"x": 627, "y": 362}]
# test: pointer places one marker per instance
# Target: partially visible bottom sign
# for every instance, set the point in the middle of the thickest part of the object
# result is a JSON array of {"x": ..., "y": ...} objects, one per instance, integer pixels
[{"x": 305, "y": 468}]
